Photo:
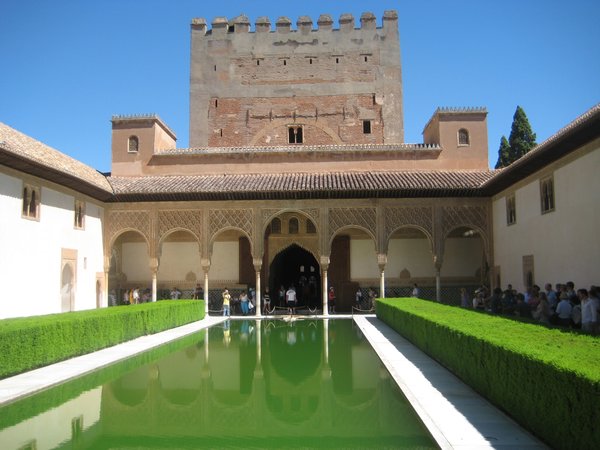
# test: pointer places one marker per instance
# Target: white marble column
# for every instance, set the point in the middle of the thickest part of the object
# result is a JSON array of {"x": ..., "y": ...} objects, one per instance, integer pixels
[{"x": 382, "y": 261}]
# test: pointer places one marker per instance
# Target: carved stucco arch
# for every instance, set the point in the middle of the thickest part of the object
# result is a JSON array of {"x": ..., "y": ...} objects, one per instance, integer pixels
[
  {"x": 427, "y": 234},
  {"x": 285, "y": 122},
  {"x": 122, "y": 231},
  {"x": 340, "y": 230},
  {"x": 169, "y": 232},
  {"x": 214, "y": 236}
]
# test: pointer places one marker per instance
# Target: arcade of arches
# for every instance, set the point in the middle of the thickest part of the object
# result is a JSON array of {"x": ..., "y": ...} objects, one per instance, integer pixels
[{"x": 386, "y": 245}]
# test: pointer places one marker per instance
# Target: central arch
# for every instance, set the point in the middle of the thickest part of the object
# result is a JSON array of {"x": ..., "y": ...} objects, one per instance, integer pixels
[{"x": 298, "y": 267}]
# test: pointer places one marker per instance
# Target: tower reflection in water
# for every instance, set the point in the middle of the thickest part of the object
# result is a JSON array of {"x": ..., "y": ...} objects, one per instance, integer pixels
[
  {"x": 242, "y": 384},
  {"x": 314, "y": 380}
]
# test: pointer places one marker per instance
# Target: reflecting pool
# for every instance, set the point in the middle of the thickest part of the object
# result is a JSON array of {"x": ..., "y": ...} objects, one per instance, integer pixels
[{"x": 241, "y": 384}]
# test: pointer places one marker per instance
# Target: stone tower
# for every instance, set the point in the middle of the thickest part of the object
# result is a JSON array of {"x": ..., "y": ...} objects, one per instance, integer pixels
[{"x": 314, "y": 86}]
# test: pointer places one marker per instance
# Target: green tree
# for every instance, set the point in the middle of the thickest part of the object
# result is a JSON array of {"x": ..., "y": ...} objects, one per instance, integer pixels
[
  {"x": 503, "y": 153},
  {"x": 520, "y": 141}
]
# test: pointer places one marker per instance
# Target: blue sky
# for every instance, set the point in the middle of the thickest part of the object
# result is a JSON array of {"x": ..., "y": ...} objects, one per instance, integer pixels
[{"x": 67, "y": 66}]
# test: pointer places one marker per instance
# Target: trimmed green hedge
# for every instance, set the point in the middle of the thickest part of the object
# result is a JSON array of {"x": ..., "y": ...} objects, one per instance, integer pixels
[
  {"x": 30, "y": 342},
  {"x": 547, "y": 379}
]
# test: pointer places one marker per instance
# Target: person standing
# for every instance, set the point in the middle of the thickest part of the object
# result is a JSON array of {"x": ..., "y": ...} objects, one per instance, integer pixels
[
  {"x": 564, "y": 310},
  {"x": 226, "y": 300},
  {"x": 266, "y": 301},
  {"x": 290, "y": 298},
  {"x": 416, "y": 291},
  {"x": 358, "y": 297},
  {"x": 331, "y": 298},
  {"x": 244, "y": 303},
  {"x": 589, "y": 312}
]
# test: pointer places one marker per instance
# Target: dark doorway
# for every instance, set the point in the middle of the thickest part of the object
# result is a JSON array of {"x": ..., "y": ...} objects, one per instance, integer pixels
[{"x": 295, "y": 266}]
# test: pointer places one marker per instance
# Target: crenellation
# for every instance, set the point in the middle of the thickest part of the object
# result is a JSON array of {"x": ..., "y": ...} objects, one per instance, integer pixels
[
  {"x": 283, "y": 25},
  {"x": 241, "y": 24},
  {"x": 199, "y": 24},
  {"x": 304, "y": 24},
  {"x": 262, "y": 25},
  {"x": 346, "y": 22},
  {"x": 220, "y": 26},
  {"x": 368, "y": 21},
  {"x": 325, "y": 22}
]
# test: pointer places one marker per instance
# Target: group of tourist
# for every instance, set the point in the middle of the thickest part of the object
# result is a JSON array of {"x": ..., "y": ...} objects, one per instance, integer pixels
[
  {"x": 245, "y": 301},
  {"x": 561, "y": 305},
  {"x": 131, "y": 296}
]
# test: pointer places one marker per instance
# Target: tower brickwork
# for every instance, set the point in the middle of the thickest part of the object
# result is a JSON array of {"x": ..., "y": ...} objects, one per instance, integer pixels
[{"x": 307, "y": 85}]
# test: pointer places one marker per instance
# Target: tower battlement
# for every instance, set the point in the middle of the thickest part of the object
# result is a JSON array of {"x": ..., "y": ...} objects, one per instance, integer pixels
[{"x": 304, "y": 24}]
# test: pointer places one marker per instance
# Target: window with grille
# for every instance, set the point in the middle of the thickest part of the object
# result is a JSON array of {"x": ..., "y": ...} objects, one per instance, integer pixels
[{"x": 463, "y": 137}]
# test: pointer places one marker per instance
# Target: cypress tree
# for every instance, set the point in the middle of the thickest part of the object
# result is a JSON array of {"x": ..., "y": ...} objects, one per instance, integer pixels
[
  {"x": 503, "y": 153},
  {"x": 520, "y": 141},
  {"x": 522, "y": 138}
]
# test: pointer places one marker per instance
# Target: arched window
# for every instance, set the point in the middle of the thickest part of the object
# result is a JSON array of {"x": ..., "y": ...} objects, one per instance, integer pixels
[
  {"x": 133, "y": 144},
  {"x": 295, "y": 135},
  {"x": 293, "y": 226},
  {"x": 463, "y": 137},
  {"x": 310, "y": 227},
  {"x": 276, "y": 226},
  {"x": 79, "y": 214}
]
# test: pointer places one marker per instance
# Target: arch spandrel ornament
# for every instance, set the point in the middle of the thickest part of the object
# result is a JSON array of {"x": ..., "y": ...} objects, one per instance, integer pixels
[
  {"x": 417, "y": 216},
  {"x": 120, "y": 221},
  {"x": 190, "y": 220},
  {"x": 475, "y": 217},
  {"x": 221, "y": 219},
  {"x": 365, "y": 218},
  {"x": 465, "y": 216}
]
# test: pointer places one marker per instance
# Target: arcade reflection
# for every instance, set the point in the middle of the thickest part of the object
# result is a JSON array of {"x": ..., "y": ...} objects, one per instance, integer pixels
[{"x": 260, "y": 384}]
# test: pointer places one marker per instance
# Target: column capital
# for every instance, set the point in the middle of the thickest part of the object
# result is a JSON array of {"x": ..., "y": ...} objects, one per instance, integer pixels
[
  {"x": 257, "y": 262},
  {"x": 205, "y": 263},
  {"x": 324, "y": 262},
  {"x": 381, "y": 261},
  {"x": 154, "y": 263}
]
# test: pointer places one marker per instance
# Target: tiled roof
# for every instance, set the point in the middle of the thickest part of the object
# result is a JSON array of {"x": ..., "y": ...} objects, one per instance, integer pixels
[
  {"x": 580, "y": 131},
  {"x": 300, "y": 185},
  {"x": 24, "y": 153}
]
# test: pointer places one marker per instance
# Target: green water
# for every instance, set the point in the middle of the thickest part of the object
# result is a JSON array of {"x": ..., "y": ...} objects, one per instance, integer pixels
[{"x": 243, "y": 384}]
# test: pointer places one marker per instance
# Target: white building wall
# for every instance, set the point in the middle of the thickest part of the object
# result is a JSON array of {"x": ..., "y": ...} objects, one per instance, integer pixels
[
  {"x": 30, "y": 262},
  {"x": 136, "y": 263},
  {"x": 565, "y": 243},
  {"x": 462, "y": 257}
]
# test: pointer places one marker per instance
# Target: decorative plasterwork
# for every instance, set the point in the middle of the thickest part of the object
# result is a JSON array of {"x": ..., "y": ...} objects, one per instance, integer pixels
[
  {"x": 365, "y": 218},
  {"x": 464, "y": 216},
  {"x": 418, "y": 216},
  {"x": 180, "y": 219},
  {"x": 268, "y": 214},
  {"x": 119, "y": 221},
  {"x": 221, "y": 219}
]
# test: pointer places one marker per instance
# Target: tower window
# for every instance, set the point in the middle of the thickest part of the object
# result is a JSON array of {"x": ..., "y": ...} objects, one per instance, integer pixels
[
  {"x": 463, "y": 137},
  {"x": 547, "y": 194},
  {"x": 295, "y": 135},
  {"x": 285, "y": 62},
  {"x": 366, "y": 127},
  {"x": 366, "y": 59},
  {"x": 133, "y": 144}
]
